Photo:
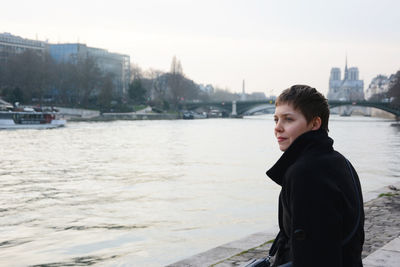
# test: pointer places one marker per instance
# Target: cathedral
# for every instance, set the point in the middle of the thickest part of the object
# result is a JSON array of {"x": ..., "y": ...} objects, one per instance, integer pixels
[{"x": 348, "y": 89}]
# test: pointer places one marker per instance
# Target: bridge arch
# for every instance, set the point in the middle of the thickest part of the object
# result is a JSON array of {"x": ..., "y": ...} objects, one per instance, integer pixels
[
  {"x": 261, "y": 107},
  {"x": 225, "y": 107},
  {"x": 385, "y": 106}
]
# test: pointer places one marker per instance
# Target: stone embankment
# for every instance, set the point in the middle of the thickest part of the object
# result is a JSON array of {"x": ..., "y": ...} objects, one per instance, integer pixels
[
  {"x": 72, "y": 114},
  {"x": 77, "y": 113},
  {"x": 135, "y": 116},
  {"x": 381, "y": 246}
]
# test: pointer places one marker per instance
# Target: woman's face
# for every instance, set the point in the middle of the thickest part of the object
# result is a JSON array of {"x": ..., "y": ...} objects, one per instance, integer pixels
[{"x": 289, "y": 124}]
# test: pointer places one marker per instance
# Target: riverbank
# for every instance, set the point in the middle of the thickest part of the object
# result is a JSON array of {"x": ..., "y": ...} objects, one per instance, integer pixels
[
  {"x": 73, "y": 114},
  {"x": 128, "y": 116},
  {"x": 381, "y": 246},
  {"x": 76, "y": 115}
]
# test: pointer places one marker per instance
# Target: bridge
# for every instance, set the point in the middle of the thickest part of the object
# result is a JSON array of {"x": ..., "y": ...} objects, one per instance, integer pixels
[{"x": 238, "y": 108}]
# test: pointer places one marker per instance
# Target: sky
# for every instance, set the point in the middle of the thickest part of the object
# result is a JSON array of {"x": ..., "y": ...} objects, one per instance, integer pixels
[{"x": 269, "y": 44}]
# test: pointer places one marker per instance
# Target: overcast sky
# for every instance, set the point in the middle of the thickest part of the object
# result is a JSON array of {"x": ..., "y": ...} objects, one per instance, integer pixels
[{"x": 270, "y": 44}]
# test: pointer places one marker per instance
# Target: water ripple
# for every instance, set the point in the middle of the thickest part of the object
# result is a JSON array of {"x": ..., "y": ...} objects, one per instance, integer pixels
[
  {"x": 78, "y": 261},
  {"x": 145, "y": 193}
]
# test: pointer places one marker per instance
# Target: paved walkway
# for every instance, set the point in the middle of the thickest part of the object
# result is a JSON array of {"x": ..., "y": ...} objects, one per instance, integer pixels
[{"x": 381, "y": 246}]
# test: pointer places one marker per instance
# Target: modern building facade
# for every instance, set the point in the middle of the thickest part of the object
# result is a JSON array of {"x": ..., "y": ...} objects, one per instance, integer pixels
[
  {"x": 116, "y": 64},
  {"x": 12, "y": 45},
  {"x": 348, "y": 88}
]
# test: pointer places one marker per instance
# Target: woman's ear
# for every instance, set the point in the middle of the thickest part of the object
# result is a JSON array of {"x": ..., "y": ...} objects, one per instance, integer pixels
[{"x": 316, "y": 123}]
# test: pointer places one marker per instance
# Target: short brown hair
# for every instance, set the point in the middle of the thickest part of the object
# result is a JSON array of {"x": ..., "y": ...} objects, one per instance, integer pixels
[{"x": 308, "y": 100}]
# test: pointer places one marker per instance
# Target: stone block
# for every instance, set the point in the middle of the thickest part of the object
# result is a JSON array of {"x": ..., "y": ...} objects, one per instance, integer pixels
[
  {"x": 383, "y": 258},
  {"x": 393, "y": 245}
]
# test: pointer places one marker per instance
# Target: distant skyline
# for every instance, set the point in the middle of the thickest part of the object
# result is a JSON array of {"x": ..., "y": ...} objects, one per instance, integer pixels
[{"x": 269, "y": 44}]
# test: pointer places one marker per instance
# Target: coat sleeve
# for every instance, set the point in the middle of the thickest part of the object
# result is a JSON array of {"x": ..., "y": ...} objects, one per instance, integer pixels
[{"x": 314, "y": 203}]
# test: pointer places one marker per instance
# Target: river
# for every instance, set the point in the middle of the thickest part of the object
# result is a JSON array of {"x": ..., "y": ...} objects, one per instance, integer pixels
[{"x": 149, "y": 193}]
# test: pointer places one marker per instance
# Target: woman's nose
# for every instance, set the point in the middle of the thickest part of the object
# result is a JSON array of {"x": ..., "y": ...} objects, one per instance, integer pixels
[{"x": 278, "y": 126}]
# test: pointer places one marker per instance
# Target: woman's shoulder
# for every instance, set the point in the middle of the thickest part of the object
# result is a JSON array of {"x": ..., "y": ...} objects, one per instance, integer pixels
[{"x": 315, "y": 168}]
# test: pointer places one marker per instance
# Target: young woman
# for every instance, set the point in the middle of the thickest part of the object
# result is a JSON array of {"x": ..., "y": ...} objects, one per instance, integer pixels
[{"x": 321, "y": 215}]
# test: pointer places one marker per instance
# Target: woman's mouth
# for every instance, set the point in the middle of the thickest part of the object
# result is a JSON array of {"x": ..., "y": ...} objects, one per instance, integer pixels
[{"x": 281, "y": 139}]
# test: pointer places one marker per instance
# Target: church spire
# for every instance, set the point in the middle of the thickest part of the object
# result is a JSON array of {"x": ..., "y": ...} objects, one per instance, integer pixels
[{"x": 346, "y": 72}]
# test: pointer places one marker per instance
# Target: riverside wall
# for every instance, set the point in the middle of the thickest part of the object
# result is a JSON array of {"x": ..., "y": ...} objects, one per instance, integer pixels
[
  {"x": 72, "y": 114},
  {"x": 127, "y": 116}
]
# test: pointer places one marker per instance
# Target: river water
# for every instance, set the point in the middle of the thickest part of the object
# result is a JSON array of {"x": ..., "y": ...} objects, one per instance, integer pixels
[{"x": 149, "y": 193}]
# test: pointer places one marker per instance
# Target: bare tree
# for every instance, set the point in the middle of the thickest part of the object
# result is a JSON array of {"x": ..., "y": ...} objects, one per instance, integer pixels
[
  {"x": 223, "y": 95},
  {"x": 136, "y": 72},
  {"x": 32, "y": 72},
  {"x": 176, "y": 67},
  {"x": 175, "y": 78},
  {"x": 155, "y": 85},
  {"x": 394, "y": 90},
  {"x": 47, "y": 75},
  {"x": 35, "y": 76},
  {"x": 89, "y": 76},
  {"x": 106, "y": 92},
  {"x": 66, "y": 83}
]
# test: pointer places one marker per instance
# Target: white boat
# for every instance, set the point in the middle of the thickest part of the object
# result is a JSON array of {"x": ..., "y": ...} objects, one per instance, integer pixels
[
  {"x": 28, "y": 118},
  {"x": 189, "y": 115}
]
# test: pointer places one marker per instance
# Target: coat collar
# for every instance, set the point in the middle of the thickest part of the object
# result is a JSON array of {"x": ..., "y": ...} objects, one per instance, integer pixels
[{"x": 313, "y": 139}]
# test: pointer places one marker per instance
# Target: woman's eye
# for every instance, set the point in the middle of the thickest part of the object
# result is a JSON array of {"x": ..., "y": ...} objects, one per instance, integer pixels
[{"x": 289, "y": 119}]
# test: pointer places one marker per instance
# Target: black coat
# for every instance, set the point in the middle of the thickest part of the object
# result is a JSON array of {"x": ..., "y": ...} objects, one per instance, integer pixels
[{"x": 318, "y": 206}]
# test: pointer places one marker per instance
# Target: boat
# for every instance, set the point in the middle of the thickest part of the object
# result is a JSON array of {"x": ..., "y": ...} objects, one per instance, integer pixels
[
  {"x": 190, "y": 115},
  {"x": 30, "y": 118}
]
